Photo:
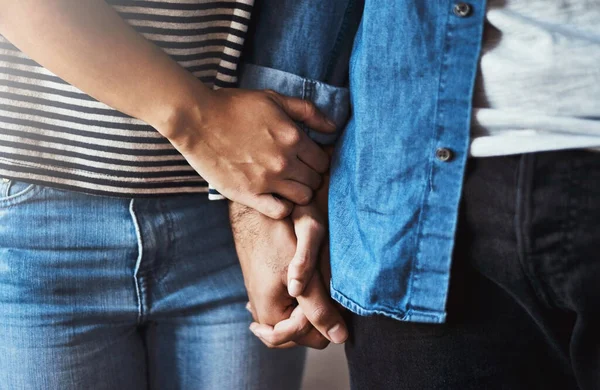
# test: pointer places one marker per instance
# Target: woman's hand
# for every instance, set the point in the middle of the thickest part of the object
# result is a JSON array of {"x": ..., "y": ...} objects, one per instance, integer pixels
[{"x": 247, "y": 145}]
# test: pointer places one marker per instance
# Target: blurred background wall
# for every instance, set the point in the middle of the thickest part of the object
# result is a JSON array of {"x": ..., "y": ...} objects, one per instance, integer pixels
[{"x": 326, "y": 370}]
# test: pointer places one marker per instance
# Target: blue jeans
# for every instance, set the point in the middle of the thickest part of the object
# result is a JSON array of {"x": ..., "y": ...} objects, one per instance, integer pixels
[{"x": 107, "y": 293}]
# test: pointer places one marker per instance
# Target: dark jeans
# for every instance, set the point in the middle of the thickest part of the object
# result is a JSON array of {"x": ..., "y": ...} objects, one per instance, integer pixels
[{"x": 524, "y": 304}]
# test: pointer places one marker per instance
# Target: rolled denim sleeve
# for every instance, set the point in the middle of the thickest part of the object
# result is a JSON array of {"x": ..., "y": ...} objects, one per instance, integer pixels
[{"x": 333, "y": 101}]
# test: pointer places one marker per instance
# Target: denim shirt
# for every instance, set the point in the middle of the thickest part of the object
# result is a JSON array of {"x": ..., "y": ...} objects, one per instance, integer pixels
[
  {"x": 396, "y": 176},
  {"x": 302, "y": 49}
]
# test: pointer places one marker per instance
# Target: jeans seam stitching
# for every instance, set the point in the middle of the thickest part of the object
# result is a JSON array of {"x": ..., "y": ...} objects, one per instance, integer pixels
[
  {"x": 568, "y": 228},
  {"x": 522, "y": 217},
  {"x": 138, "y": 263},
  {"x": 166, "y": 263},
  {"x": 7, "y": 188},
  {"x": 20, "y": 197}
]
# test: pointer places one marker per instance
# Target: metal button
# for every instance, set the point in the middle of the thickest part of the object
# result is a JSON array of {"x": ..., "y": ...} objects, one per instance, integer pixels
[
  {"x": 462, "y": 10},
  {"x": 444, "y": 154}
]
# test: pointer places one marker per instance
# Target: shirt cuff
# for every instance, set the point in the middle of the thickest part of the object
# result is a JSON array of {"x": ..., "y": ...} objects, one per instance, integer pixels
[{"x": 333, "y": 101}]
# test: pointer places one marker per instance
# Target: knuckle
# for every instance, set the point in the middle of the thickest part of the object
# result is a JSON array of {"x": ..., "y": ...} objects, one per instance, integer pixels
[
  {"x": 304, "y": 196},
  {"x": 280, "y": 164},
  {"x": 291, "y": 137},
  {"x": 278, "y": 212},
  {"x": 300, "y": 264},
  {"x": 319, "y": 315}
]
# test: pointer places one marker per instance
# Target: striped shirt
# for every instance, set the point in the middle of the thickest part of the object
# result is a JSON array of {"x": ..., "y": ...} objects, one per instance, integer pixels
[{"x": 53, "y": 134}]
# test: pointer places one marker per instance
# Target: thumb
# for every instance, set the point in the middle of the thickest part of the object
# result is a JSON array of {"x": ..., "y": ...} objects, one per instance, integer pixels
[{"x": 310, "y": 235}]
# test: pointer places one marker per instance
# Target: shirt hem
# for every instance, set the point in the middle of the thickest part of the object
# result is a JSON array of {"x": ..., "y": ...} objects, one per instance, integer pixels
[{"x": 411, "y": 315}]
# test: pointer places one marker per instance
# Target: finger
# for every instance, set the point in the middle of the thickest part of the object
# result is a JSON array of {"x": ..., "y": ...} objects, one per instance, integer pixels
[
  {"x": 313, "y": 339},
  {"x": 305, "y": 175},
  {"x": 260, "y": 330},
  {"x": 293, "y": 191},
  {"x": 291, "y": 329},
  {"x": 251, "y": 311},
  {"x": 269, "y": 205},
  {"x": 310, "y": 235},
  {"x": 288, "y": 330},
  {"x": 321, "y": 312},
  {"x": 300, "y": 331},
  {"x": 306, "y": 112},
  {"x": 312, "y": 154}
]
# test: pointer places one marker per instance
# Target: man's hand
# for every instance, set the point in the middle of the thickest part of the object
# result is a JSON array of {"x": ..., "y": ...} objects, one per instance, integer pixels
[
  {"x": 310, "y": 228},
  {"x": 265, "y": 248},
  {"x": 310, "y": 301},
  {"x": 247, "y": 146}
]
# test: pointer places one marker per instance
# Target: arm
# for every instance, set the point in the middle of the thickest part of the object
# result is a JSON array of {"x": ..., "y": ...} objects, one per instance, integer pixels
[{"x": 86, "y": 43}]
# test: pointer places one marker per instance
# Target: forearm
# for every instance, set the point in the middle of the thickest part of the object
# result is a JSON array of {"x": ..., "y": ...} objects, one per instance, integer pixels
[{"x": 86, "y": 43}]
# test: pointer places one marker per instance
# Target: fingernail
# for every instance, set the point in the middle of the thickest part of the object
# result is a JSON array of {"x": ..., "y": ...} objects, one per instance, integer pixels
[
  {"x": 294, "y": 288},
  {"x": 249, "y": 307},
  {"x": 253, "y": 329},
  {"x": 338, "y": 334}
]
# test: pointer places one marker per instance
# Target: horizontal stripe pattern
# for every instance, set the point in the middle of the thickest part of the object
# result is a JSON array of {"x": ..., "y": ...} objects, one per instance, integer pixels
[{"x": 52, "y": 133}]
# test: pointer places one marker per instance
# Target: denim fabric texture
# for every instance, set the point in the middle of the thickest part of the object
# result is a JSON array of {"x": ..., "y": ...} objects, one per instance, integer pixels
[
  {"x": 333, "y": 101},
  {"x": 302, "y": 49},
  {"x": 396, "y": 177},
  {"x": 523, "y": 309},
  {"x": 108, "y": 293},
  {"x": 410, "y": 68}
]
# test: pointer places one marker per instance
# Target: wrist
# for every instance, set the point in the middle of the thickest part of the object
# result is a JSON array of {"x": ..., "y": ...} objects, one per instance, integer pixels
[
  {"x": 238, "y": 212},
  {"x": 181, "y": 117}
]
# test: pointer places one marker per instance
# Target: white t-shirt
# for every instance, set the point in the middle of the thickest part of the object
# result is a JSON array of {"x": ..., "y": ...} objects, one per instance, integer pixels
[{"x": 538, "y": 86}]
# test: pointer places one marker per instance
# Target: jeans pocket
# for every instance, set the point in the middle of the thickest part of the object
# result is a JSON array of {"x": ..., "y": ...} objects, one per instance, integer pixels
[{"x": 13, "y": 192}]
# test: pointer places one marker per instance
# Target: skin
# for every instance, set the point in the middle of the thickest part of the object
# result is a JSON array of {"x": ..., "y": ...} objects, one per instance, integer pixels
[
  {"x": 272, "y": 254},
  {"x": 87, "y": 44}
]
